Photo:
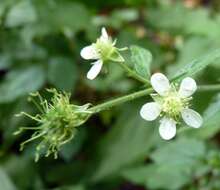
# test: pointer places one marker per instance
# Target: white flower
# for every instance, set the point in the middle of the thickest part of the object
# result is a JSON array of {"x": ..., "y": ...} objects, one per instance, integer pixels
[
  {"x": 171, "y": 104},
  {"x": 104, "y": 49}
]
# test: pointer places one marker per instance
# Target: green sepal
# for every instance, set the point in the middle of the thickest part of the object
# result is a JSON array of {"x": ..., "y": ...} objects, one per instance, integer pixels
[{"x": 116, "y": 57}]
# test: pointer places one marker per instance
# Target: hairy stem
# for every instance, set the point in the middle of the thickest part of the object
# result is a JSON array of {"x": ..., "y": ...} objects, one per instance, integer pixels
[
  {"x": 135, "y": 95},
  {"x": 133, "y": 74},
  {"x": 212, "y": 87},
  {"x": 120, "y": 100}
]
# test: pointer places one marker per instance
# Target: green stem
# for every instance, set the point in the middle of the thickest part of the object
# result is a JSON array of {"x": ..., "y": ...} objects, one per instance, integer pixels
[
  {"x": 133, "y": 74},
  {"x": 120, "y": 100},
  {"x": 212, "y": 87},
  {"x": 135, "y": 95}
]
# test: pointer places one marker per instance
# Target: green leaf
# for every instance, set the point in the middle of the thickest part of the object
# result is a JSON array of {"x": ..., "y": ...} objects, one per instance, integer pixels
[
  {"x": 192, "y": 48},
  {"x": 183, "y": 151},
  {"x": 5, "y": 61},
  {"x": 71, "y": 187},
  {"x": 211, "y": 122},
  {"x": 5, "y": 181},
  {"x": 167, "y": 174},
  {"x": 137, "y": 175},
  {"x": 197, "y": 65},
  {"x": 21, "y": 82},
  {"x": 163, "y": 17},
  {"x": 70, "y": 149},
  {"x": 21, "y": 13},
  {"x": 141, "y": 59},
  {"x": 175, "y": 160},
  {"x": 16, "y": 166},
  {"x": 189, "y": 21},
  {"x": 121, "y": 16},
  {"x": 128, "y": 142},
  {"x": 126, "y": 15},
  {"x": 62, "y": 73},
  {"x": 158, "y": 176},
  {"x": 63, "y": 15},
  {"x": 66, "y": 173}
]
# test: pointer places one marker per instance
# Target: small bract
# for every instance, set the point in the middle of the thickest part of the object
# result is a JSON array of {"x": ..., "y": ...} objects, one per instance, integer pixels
[
  {"x": 103, "y": 50},
  {"x": 171, "y": 104}
]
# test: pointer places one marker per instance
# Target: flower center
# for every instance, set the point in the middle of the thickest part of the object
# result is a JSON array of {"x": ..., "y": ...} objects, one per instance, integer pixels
[
  {"x": 172, "y": 105},
  {"x": 105, "y": 49}
]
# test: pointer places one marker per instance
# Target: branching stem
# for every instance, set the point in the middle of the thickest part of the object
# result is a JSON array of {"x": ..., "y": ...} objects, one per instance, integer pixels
[{"x": 133, "y": 74}]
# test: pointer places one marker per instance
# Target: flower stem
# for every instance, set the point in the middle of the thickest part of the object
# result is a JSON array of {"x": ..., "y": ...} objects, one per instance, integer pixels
[
  {"x": 132, "y": 73},
  {"x": 212, "y": 87},
  {"x": 120, "y": 100},
  {"x": 135, "y": 95}
]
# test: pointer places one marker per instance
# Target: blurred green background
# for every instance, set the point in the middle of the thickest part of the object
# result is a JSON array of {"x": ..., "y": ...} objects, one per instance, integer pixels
[{"x": 40, "y": 43}]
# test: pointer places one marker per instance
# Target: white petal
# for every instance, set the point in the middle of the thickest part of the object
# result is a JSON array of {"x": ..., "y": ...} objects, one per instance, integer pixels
[
  {"x": 89, "y": 52},
  {"x": 94, "y": 70},
  {"x": 160, "y": 83},
  {"x": 150, "y": 111},
  {"x": 167, "y": 128},
  {"x": 187, "y": 87},
  {"x": 104, "y": 36},
  {"x": 192, "y": 118}
]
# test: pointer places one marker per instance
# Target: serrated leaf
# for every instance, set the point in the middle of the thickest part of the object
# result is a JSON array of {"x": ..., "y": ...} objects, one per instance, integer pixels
[
  {"x": 21, "y": 13},
  {"x": 128, "y": 142},
  {"x": 71, "y": 187},
  {"x": 189, "y": 21},
  {"x": 166, "y": 174},
  {"x": 63, "y": 15},
  {"x": 70, "y": 149},
  {"x": 5, "y": 181},
  {"x": 182, "y": 151},
  {"x": 62, "y": 73},
  {"x": 192, "y": 48},
  {"x": 16, "y": 168},
  {"x": 141, "y": 59},
  {"x": 21, "y": 82},
  {"x": 211, "y": 122},
  {"x": 156, "y": 176},
  {"x": 197, "y": 65},
  {"x": 138, "y": 175},
  {"x": 176, "y": 160}
]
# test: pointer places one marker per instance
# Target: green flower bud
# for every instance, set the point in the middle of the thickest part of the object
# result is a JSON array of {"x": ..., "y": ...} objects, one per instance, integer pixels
[{"x": 56, "y": 124}]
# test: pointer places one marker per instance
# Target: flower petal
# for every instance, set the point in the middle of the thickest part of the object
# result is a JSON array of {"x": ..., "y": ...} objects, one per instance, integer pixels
[
  {"x": 192, "y": 118},
  {"x": 94, "y": 70},
  {"x": 104, "y": 37},
  {"x": 167, "y": 128},
  {"x": 160, "y": 83},
  {"x": 150, "y": 111},
  {"x": 89, "y": 52},
  {"x": 187, "y": 87}
]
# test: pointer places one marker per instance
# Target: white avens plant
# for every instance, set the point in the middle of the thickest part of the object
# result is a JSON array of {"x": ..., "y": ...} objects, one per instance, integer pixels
[
  {"x": 102, "y": 51},
  {"x": 171, "y": 104}
]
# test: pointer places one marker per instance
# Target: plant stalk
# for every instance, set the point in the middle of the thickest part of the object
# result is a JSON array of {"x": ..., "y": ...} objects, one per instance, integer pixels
[
  {"x": 132, "y": 73},
  {"x": 212, "y": 87},
  {"x": 120, "y": 100},
  {"x": 111, "y": 103}
]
